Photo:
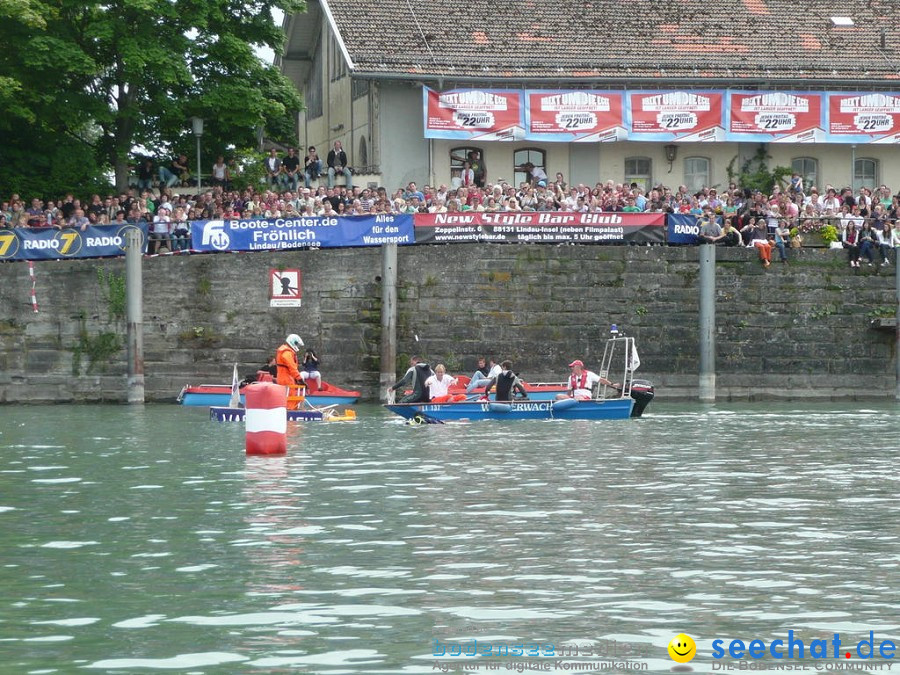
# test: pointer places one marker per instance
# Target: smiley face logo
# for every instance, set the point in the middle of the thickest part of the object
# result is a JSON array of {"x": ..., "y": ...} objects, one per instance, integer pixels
[{"x": 682, "y": 648}]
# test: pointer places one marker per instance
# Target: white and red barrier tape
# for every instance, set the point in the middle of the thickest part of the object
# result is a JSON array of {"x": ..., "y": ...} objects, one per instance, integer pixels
[{"x": 34, "y": 304}]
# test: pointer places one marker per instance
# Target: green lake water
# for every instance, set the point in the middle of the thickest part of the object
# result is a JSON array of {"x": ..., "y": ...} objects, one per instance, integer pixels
[{"x": 137, "y": 539}]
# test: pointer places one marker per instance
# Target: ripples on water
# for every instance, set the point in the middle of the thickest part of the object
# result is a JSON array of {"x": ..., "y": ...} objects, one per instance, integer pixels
[{"x": 139, "y": 539}]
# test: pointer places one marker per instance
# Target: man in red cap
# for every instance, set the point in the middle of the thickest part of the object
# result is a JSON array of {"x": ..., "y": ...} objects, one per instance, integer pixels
[{"x": 581, "y": 382}]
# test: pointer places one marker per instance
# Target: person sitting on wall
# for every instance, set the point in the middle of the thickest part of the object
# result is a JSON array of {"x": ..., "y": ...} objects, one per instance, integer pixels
[
  {"x": 730, "y": 235},
  {"x": 415, "y": 377},
  {"x": 710, "y": 232},
  {"x": 145, "y": 174},
  {"x": 761, "y": 242},
  {"x": 782, "y": 240},
  {"x": 507, "y": 384},
  {"x": 290, "y": 170},
  {"x": 272, "y": 166},
  {"x": 176, "y": 172},
  {"x": 312, "y": 166},
  {"x": 221, "y": 174},
  {"x": 337, "y": 163}
]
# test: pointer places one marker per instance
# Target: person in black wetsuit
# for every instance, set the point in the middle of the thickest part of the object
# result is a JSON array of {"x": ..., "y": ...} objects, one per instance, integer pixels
[
  {"x": 270, "y": 368},
  {"x": 507, "y": 382},
  {"x": 415, "y": 377}
]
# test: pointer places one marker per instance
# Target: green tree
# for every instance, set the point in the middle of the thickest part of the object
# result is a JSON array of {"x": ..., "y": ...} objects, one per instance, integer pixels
[
  {"x": 755, "y": 174},
  {"x": 114, "y": 75}
]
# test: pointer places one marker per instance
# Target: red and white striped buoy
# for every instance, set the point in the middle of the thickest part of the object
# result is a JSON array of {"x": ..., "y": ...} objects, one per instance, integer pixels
[{"x": 266, "y": 418}]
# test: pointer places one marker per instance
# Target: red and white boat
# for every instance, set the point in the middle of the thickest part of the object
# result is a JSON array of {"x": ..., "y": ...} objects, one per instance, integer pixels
[{"x": 220, "y": 395}]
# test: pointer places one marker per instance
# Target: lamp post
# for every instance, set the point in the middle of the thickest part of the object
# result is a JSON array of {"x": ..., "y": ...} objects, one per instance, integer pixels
[
  {"x": 671, "y": 153},
  {"x": 197, "y": 123}
]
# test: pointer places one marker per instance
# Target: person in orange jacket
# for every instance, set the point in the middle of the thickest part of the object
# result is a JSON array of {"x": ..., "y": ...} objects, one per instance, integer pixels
[{"x": 286, "y": 361}]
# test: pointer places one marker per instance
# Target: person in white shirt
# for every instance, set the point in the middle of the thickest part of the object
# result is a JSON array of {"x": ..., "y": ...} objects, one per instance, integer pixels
[
  {"x": 160, "y": 232},
  {"x": 439, "y": 385},
  {"x": 581, "y": 382},
  {"x": 535, "y": 173},
  {"x": 884, "y": 238},
  {"x": 220, "y": 174},
  {"x": 467, "y": 175},
  {"x": 487, "y": 370},
  {"x": 830, "y": 201}
]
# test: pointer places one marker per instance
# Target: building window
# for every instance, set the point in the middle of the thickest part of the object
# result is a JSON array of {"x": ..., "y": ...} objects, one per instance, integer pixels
[
  {"x": 336, "y": 59},
  {"x": 696, "y": 173},
  {"x": 808, "y": 168},
  {"x": 865, "y": 174},
  {"x": 639, "y": 170},
  {"x": 458, "y": 156},
  {"x": 522, "y": 157},
  {"x": 362, "y": 157},
  {"x": 359, "y": 88},
  {"x": 314, "y": 86}
]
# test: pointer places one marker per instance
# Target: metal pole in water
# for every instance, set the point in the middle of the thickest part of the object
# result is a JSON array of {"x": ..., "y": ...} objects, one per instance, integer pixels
[
  {"x": 897, "y": 319},
  {"x": 388, "y": 318},
  {"x": 707, "y": 323},
  {"x": 134, "y": 313}
]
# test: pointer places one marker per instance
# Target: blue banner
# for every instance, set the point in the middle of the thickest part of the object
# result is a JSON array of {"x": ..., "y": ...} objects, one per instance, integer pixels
[
  {"x": 301, "y": 232},
  {"x": 50, "y": 243},
  {"x": 682, "y": 228}
]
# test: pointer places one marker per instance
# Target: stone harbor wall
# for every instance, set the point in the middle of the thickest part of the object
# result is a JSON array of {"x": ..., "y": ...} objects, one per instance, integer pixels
[{"x": 803, "y": 330}]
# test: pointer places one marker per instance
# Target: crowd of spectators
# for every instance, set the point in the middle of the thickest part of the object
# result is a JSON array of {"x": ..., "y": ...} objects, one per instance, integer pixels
[{"x": 791, "y": 209}]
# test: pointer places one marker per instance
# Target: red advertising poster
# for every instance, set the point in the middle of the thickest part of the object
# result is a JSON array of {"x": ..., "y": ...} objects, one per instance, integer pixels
[
  {"x": 676, "y": 115},
  {"x": 576, "y": 115},
  {"x": 473, "y": 113},
  {"x": 872, "y": 115},
  {"x": 782, "y": 116}
]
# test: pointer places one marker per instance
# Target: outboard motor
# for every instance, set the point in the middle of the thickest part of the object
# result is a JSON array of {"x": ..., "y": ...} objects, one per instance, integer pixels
[{"x": 642, "y": 393}]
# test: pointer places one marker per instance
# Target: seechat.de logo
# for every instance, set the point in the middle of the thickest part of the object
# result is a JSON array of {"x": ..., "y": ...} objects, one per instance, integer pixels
[
  {"x": 214, "y": 235},
  {"x": 682, "y": 648}
]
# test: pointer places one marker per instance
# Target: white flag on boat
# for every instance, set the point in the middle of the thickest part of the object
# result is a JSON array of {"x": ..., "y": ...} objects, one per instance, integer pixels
[
  {"x": 235, "y": 401},
  {"x": 635, "y": 359}
]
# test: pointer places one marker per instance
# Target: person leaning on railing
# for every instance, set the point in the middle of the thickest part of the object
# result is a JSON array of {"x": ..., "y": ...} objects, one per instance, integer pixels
[
  {"x": 159, "y": 232},
  {"x": 808, "y": 211},
  {"x": 181, "y": 231}
]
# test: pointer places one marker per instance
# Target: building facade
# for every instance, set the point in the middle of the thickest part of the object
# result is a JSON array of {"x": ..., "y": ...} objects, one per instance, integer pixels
[{"x": 362, "y": 66}]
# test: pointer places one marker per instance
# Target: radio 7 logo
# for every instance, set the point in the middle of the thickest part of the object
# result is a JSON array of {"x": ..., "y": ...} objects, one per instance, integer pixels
[
  {"x": 68, "y": 240},
  {"x": 6, "y": 243}
]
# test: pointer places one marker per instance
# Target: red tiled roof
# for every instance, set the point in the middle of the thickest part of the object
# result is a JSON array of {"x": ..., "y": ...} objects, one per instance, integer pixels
[{"x": 597, "y": 40}]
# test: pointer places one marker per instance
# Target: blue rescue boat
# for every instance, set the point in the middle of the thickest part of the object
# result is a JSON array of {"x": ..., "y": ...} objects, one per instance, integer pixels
[{"x": 628, "y": 398}]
